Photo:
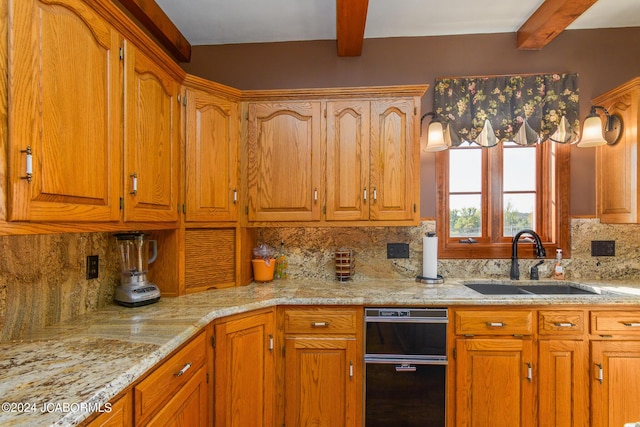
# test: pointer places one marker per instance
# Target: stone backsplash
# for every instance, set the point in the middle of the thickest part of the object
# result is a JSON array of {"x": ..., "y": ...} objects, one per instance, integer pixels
[{"x": 42, "y": 277}]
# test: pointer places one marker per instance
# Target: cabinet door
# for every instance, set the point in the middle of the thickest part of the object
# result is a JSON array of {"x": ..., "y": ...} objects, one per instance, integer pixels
[
  {"x": 284, "y": 161},
  {"x": 615, "y": 383},
  {"x": 494, "y": 386},
  {"x": 323, "y": 382},
  {"x": 617, "y": 173},
  {"x": 348, "y": 192},
  {"x": 65, "y": 94},
  {"x": 395, "y": 181},
  {"x": 211, "y": 158},
  {"x": 121, "y": 414},
  {"x": 245, "y": 372},
  {"x": 151, "y": 140},
  {"x": 188, "y": 407},
  {"x": 563, "y": 388}
]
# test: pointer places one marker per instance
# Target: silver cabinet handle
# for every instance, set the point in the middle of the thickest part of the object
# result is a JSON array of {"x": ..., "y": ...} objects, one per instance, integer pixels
[
  {"x": 319, "y": 324},
  {"x": 365, "y": 194},
  {"x": 183, "y": 370},
  {"x": 350, "y": 368},
  {"x": 134, "y": 177},
  {"x": 28, "y": 169},
  {"x": 405, "y": 367},
  {"x": 235, "y": 196},
  {"x": 564, "y": 325},
  {"x": 600, "y": 373},
  {"x": 270, "y": 342},
  {"x": 496, "y": 324},
  {"x": 529, "y": 372},
  {"x": 631, "y": 324}
]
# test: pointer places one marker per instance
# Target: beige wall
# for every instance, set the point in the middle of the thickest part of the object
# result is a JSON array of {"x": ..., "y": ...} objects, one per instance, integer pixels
[{"x": 603, "y": 59}]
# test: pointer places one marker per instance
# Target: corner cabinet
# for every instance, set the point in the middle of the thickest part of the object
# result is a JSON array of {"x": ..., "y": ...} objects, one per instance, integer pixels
[
  {"x": 617, "y": 166},
  {"x": 333, "y": 157}
]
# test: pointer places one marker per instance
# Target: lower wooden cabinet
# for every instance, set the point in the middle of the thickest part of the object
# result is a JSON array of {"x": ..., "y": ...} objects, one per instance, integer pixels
[
  {"x": 245, "y": 370},
  {"x": 323, "y": 366},
  {"x": 121, "y": 414},
  {"x": 494, "y": 382}
]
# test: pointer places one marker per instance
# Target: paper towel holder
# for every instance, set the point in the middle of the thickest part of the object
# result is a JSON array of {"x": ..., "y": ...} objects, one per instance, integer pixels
[{"x": 430, "y": 280}]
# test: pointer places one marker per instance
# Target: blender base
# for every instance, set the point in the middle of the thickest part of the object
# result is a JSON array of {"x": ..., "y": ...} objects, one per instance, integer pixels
[
  {"x": 137, "y": 303},
  {"x": 136, "y": 295}
]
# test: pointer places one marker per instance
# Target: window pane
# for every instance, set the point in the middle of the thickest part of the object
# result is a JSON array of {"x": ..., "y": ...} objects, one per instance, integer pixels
[
  {"x": 465, "y": 170},
  {"x": 465, "y": 215},
  {"x": 519, "y": 212},
  {"x": 519, "y": 169}
]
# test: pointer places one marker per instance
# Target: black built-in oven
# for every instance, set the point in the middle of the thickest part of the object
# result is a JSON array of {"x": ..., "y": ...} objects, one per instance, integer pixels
[{"x": 406, "y": 366}]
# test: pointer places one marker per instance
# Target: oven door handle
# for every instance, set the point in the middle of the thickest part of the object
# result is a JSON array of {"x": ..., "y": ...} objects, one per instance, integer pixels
[
  {"x": 405, "y": 367},
  {"x": 406, "y": 360}
]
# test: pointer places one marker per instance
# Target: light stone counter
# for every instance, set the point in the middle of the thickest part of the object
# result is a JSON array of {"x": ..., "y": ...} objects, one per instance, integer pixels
[{"x": 69, "y": 368}]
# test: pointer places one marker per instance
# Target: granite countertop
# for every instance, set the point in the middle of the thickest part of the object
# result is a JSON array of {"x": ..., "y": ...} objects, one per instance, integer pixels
[{"x": 61, "y": 374}]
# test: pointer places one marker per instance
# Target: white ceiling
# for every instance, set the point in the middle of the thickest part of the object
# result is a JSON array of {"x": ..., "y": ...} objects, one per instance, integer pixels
[{"x": 253, "y": 21}]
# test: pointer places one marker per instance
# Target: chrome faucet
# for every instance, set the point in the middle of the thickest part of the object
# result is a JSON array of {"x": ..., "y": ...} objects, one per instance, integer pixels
[{"x": 540, "y": 252}]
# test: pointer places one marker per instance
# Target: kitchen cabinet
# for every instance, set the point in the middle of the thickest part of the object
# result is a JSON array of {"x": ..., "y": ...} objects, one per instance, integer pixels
[
  {"x": 68, "y": 158},
  {"x": 615, "y": 368},
  {"x": 563, "y": 369},
  {"x": 65, "y": 113},
  {"x": 245, "y": 370},
  {"x": 494, "y": 368},
  {"x": 370, "y": 160},
  {"x": 284, "y": 161},
  {"x": 176, "y": 392},
  {"x": 617, "y": 166},
  {"x": 211, "y": 156},
  {"x": 323, "y": 366},
  {"x": 151, "y": 146}
]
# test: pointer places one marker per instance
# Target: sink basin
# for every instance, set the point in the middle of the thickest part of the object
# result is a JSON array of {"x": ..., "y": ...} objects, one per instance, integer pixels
[{"x": 499, "y": 289}]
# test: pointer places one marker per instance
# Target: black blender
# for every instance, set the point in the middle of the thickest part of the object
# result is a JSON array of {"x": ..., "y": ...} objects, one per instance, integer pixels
[{"x": 134, "y": 289}]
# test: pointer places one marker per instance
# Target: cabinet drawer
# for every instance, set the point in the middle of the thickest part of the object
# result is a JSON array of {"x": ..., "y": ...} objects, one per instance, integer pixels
[
  {"x": 320, "y": 321},
  {"x": 615, "y": 322},
  {"x": 559, "y": 322},
  {"x": 155, "y": 390},
  {"x": 496, "y": 322}
]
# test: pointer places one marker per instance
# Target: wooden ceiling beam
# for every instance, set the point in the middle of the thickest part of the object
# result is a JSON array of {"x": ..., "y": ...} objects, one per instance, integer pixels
[
  {"x": 548, "y": 21},
  {"x": 160, "y": 26},
  {"x": 351, "y": 17}
]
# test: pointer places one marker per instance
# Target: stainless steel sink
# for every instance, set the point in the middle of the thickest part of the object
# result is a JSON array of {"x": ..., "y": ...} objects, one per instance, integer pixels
[{"x": 553, "y": 289}]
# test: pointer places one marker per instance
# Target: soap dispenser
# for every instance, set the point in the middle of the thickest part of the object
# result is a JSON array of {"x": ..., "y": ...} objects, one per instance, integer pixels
[{"x": 558, "y": 271}]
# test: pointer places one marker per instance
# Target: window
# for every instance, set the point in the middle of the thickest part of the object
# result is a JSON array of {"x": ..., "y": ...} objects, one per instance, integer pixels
[{"x": 487, "y": 195}]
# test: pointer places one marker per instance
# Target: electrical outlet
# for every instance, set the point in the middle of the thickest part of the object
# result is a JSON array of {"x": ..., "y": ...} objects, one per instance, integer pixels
[
  {"x": 397, "y": 250},
  {"x": 92, "y": 267},
  {"x": 603, "y": 248}
]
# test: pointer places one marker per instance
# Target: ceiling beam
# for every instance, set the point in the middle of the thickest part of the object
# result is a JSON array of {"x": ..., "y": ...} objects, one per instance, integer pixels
[
  {"x": 351, "y": 17},
  {"x": 548, "y": 21},
  {"x": 160, "y": 26}
]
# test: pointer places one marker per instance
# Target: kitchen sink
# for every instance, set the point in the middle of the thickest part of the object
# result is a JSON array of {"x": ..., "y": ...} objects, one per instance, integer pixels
[{"x": 500, "y": 289}]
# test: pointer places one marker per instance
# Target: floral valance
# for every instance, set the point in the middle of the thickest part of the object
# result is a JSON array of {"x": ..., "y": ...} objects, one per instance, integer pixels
[{"x": 524, "y": 109}]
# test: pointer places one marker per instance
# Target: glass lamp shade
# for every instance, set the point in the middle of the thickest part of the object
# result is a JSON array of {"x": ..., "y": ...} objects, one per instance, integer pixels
[
  {"x": 592, "y": 134},
  {"x": 435, "y": 137}
]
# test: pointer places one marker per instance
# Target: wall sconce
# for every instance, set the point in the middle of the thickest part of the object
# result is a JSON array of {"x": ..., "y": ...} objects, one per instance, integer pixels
[
  {"x": 593, "y": 132},
  {"x": 433, "y": 138}
]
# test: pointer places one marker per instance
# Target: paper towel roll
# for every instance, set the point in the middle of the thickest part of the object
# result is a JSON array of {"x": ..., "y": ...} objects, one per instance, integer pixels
[{"x": 430, "y": 257}]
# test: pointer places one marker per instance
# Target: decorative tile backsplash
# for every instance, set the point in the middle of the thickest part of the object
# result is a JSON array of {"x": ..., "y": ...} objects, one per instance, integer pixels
[{"x": 42, "y": 277}]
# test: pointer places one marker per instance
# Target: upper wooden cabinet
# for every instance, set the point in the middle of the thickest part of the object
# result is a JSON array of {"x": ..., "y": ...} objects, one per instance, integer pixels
[
  {"x": 336, "y": 156},
  {"x": 75, "y": 82},
  {"x": 284, "y": 161},
  {"x": 65, "y": 103},
  {"x": 211, "y": 159},
  {"x": 152, "y": 132},
  {"x": 617, "y": 173}
]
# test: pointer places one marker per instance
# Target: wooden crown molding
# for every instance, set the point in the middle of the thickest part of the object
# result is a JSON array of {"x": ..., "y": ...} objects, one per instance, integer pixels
[{"x": 548, "y": 21}]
